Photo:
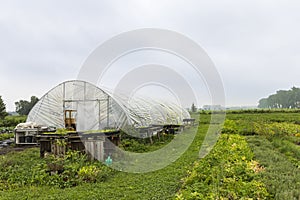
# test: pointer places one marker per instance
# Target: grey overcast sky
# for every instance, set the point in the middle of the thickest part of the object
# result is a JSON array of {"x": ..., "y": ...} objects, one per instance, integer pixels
[{"x": 254, "y": 44}]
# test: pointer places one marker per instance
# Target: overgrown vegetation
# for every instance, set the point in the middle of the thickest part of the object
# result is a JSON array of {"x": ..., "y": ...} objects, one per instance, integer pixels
[
  {"x": 27, "y": 169},
  {"x": 228, "y": 172},
  {"x": 274, "y": 139},
  {"x": 281, "y": 176},
  {"x": 256, "y": 157},
  {"x": 5, "y": 136},
  {"x": 282, "y": 99},
  {"x": 10, "y": 122},
  {"x": 23, "y": 107}
]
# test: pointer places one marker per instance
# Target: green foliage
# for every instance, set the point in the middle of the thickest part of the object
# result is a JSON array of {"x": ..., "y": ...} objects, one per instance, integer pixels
[
  {"x": 281, "y": 176},
  {"x": 286, "y": 146},
  {"x": 228, "y": 172},
  {"x": 23, "y": 107},
  {"x": 27, "y": 169},
  {"x": 229, "y": 127},
  {"x": 276, "y": 129},
  {"x": 11, "y": 121},
  {"x": 90, "y": 173},
  {"x": 282, "y": 99},
  {"x": 3, "y": 112},
  {"x": 61, "y": 131},
  {"x": 100, "y": 131},
  {"x": 5, "y": 136},
  {"x": 262, "y": 111},
  {"x": 268, "y": 124}
]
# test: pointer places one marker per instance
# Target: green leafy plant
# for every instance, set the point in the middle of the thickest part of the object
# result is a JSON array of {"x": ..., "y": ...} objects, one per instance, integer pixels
[
  {"x": 89, "y": 173},
  {"x": 229, "y": 127},
  {"x": 26, "y": 168},
  {"x": 5, "y": 136},
  {"x": 228, "y": 172}
]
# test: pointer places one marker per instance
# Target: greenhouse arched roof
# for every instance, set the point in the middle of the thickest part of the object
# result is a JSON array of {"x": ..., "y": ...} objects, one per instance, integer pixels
[{"x": 96, "y": 109}]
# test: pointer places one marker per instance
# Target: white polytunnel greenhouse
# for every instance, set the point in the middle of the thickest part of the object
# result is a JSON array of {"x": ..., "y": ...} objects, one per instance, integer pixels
[{"x": 83, "y": 106}]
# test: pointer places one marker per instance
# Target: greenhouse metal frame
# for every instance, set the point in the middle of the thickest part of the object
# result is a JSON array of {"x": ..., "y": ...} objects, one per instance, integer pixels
[{"x": 97, "y": 109}]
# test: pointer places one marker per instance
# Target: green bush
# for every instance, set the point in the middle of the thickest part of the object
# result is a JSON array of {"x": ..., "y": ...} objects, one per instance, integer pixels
[
  {"x": 12, "y": 121},
  {"x": 229, "y": 127},
  {"x": 26, "y": 168},
  {"x": 89, "y": 173},
  {"x": 228, "y": 172},
  {"x": 277, "y": 129},
  {"x": 5, "y": 136}
]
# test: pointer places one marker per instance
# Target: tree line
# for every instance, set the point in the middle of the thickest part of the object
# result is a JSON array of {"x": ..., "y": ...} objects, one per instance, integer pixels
[
  {"x": 23, "y": 107},
  {"x": 282, "y": 99}
]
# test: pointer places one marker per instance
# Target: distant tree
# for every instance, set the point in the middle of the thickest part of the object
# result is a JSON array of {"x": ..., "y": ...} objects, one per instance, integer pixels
[
  {"x": 282, "y": 99},
  {"x": 33, "y": 101},
  {"x": 23, "y": 107},
  {"x": 3, "y": 112},
  {"x": 193, "y": 108},
  {"x": 263, "y": 103},
  {"x": 295, "y": 97}
]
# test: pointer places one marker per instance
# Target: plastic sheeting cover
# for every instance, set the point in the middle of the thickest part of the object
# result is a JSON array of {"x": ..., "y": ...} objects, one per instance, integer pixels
[{"x": 96, "y": 109}]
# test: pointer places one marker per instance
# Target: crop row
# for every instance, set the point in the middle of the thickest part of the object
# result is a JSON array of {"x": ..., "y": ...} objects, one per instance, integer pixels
[
  {"x": 228, "y": 172},
  {"x": 261, "y": 128}
]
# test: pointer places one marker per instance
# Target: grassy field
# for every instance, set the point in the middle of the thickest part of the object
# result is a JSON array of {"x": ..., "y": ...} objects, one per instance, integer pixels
[{"x": 257, "y": 156}]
